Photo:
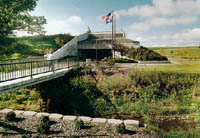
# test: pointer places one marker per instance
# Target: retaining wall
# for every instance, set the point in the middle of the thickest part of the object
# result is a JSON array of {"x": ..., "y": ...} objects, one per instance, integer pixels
[{"x": 55, "y": 116}]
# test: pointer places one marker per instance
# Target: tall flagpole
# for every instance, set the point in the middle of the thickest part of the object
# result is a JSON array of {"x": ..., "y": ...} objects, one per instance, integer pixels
[{"x": 113, "y": 33}]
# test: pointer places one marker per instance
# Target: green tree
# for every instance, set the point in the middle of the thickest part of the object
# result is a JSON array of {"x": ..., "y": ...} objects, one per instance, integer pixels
[
  {"x": 15, "y": 15},
  {"x": 63, "y": 39}
]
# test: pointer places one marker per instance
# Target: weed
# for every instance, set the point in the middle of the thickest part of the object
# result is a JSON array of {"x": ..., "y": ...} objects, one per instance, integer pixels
[
  {"x": 120, "y": 128},
  {"x": 79, "y": 124},
  {"x": 44, "y": 125},
  {"x": 10, "y": 116}
]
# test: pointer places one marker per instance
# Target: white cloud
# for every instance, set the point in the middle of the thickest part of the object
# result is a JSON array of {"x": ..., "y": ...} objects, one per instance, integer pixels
[
  {"x": 161, "y": 22},
  {"x": 188, "y": 37},
  {"x": 74, "y": 25},
  {"x": 162, "y": 13},
  {"x": 139, "y": 27},
  {"x": 164, "y": 22},
  {"x": 164, "y": 8}
]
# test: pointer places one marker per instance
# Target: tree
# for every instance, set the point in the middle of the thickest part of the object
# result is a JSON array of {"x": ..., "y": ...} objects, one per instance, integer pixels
[
  {"x": 14, "y": 15},
  {"x": 63, "y": 39}
]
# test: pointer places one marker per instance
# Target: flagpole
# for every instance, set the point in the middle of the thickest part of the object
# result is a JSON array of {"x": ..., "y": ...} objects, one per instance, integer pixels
[{"x": 112, "y": 33}]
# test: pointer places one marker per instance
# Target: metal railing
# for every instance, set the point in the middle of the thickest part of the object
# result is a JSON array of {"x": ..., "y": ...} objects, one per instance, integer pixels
[
  {"x": 11, "y": 71},
  {"x": 29, "y": 59}
]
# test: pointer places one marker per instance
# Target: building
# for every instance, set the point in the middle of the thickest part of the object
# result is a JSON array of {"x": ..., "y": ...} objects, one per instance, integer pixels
[
  {"x": 99, "y": 45},
  {"x": 94, "y": 45}
]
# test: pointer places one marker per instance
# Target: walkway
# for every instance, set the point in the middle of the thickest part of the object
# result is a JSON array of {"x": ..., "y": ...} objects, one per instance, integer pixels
[{"x": 18, "y": 75}]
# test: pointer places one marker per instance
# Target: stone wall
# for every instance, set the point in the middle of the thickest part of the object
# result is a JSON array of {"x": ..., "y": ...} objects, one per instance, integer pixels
[{"x": 55, "y": 116}]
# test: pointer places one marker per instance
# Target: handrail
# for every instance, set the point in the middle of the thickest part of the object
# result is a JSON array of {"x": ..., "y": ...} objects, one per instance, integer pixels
[
  {"x": 21, "y": 59},
  {"x": 12, "y": 71}
]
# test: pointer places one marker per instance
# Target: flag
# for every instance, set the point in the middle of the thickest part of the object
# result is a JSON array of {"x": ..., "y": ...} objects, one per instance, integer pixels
[{"x": 107, "y": 18}]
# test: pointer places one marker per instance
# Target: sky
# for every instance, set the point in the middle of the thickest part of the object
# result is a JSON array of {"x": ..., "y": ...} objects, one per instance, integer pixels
[{"x": 152, "y": 22}]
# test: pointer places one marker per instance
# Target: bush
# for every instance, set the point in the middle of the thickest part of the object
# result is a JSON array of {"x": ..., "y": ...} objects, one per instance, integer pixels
[
  {"x": 44, "y": 125},
  {"x": 142, "y": 53},
  {"x": 79, "y": 124},
  {"x": 120, "y": 128},
  {"x": 10, "y": 116}
]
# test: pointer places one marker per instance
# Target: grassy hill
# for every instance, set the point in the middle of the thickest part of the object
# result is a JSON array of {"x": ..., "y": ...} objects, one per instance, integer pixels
[
  {"x": 182, "y": 52},
  {"x": 185, "y": 59},
  {"x": 20, "y": 47}
]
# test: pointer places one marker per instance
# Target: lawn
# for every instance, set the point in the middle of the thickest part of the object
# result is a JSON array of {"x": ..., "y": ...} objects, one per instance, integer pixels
[{"x": 185, "y": 60}]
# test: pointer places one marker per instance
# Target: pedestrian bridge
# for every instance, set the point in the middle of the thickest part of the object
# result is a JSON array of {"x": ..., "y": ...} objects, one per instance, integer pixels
[{"x": 16, "y": 74}]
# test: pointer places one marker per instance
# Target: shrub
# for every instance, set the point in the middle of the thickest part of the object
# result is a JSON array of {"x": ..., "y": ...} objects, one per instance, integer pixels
[
  {"x": 10, "y": 116},
  {"x": 44, "y": 125},
  {"x": 120, "y": 128},
  {"x": 79, "y": 124}
]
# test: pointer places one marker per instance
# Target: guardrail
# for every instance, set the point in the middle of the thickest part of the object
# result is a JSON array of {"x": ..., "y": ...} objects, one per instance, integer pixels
[
  {"x": 38, "y": 58},
  {"x": 11, "y": 71}
]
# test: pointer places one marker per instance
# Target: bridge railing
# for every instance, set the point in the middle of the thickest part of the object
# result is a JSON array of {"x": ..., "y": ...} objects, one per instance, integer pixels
[
  {"x": 11, "y": 71},
  {"x": 29, "y": 59}
]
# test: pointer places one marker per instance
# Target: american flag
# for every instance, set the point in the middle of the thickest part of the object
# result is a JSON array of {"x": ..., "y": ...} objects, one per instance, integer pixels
[{"x": 107, "y": 17}]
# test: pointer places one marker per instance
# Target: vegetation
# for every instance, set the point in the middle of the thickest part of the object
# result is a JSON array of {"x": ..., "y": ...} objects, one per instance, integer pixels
[
  {"x": 79, "y": 124},
  {"x": 190, "y": 53},
  {"x": 44, "y": 125},
  {"x": 61, "y": 41},
  {"x": 22, "y": 47},
  {"x": 142, "y": 53},
  {"x": 120, "y": 128},
  {"x": 185, "y": 59},
  {"x": 15, "y": 16},
  {"x": 23, "y": 99},
  {"x": 148, "y": 93},
  {"x": 10, "y": 116}
]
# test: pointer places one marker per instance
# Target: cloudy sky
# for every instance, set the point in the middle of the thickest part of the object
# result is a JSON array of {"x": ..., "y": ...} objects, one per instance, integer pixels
[{"x": 152, "y": 22}]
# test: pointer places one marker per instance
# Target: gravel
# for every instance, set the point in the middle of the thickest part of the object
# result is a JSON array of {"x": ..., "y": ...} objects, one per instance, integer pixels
[{"x": 26, "y": 127}]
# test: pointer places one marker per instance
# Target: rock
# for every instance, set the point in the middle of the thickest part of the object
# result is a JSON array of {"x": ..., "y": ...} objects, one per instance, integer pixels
[
  {"x": 131, "y": 122},
  {"x": 55, "y": 116},
  {"x": 42, "y": 114},
  {"x": 114, "y": 121},
  {"x": 85, "y": 118},
  {"x": 29, "y": 113},
  {"x": 69, "y": 118},
  {"x": 99, "y": 120},
  {"x": 18, "y": 112},
  {"x": 4, "y": 111}
]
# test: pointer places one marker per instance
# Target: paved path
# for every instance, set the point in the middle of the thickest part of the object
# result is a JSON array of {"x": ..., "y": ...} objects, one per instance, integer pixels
[{"x": 28, "y": 81}]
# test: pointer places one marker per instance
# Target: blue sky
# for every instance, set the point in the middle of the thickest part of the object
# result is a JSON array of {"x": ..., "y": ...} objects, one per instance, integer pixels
[{"x": 152, "y": 22}]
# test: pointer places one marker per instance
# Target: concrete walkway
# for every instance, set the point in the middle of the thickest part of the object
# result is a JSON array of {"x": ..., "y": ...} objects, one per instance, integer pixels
[{"x": 28, "y": 81}]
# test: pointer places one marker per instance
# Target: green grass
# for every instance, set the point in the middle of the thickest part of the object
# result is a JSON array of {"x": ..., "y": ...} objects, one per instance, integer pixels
[
  {"x": 184, "y": 52},
  {"x": 185, "y": 59},
  {"x": 22, "y": 47}
]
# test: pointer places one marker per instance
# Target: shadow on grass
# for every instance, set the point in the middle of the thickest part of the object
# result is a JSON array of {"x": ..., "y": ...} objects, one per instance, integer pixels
[{"x": 13, "y": 128}]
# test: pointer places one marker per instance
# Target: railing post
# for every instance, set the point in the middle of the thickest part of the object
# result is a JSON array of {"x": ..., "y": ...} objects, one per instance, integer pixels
[
  {"x": 68, "y": 62},
  {"x": 31, "y": 69},
  {"x": 79, "y": 62},
  {"x": 53, "y": 65}
]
